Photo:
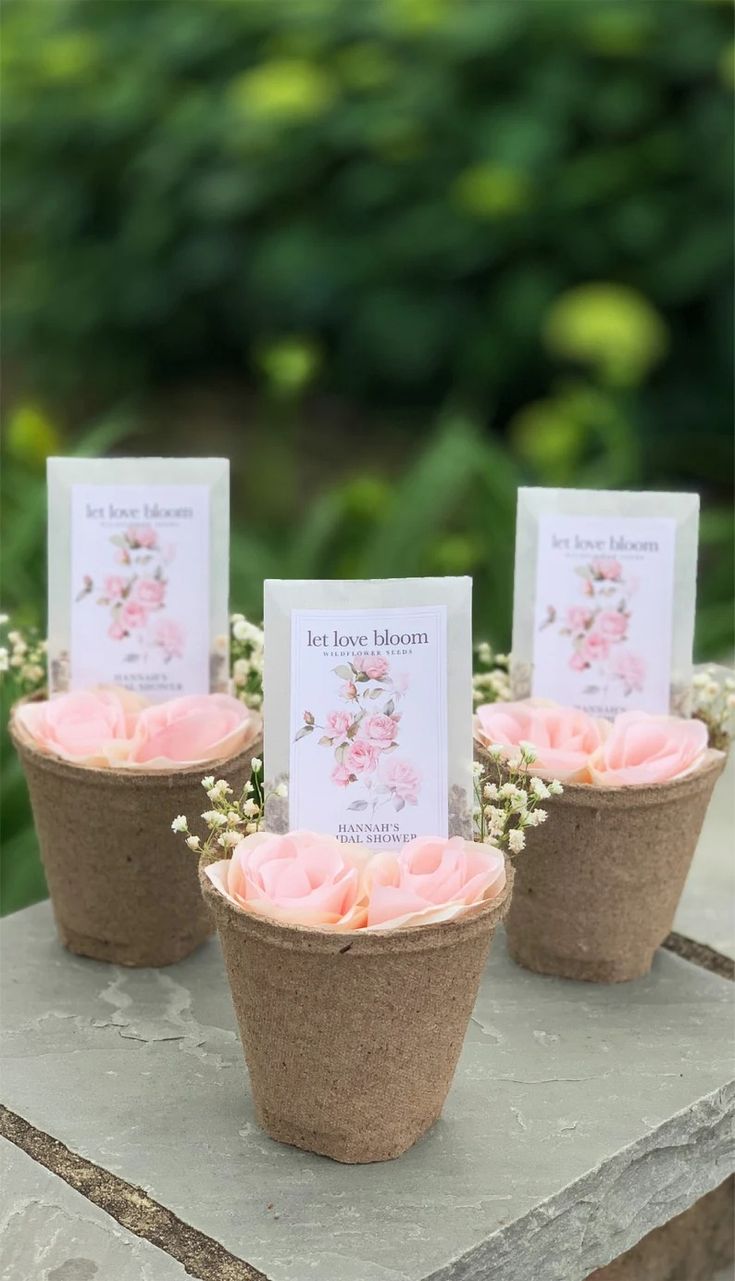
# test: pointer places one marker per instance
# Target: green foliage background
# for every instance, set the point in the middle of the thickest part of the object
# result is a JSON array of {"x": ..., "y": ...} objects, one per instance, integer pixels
[{"x": 393, "y": 257}]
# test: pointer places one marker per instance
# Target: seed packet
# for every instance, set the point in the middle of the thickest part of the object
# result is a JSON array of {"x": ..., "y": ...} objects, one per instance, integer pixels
[
  {"x": 605, "y": 585},
  {"x": 367, "y": 707},
  {"x": 138, "y": 574}
]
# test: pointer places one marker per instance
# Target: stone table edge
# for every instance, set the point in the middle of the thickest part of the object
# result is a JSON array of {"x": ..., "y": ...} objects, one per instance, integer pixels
[
  {"x": 589, "y": 1233},
  {"x": 503, "y": 1251},
  {"x": 131, "y": 1207}
]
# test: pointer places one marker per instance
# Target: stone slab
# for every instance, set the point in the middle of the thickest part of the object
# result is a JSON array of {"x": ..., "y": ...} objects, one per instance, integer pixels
[
  {"x": 581, "y": 1118},
  {"x": 707, "y": 908},
  {"x": 49, "y": 1232}
]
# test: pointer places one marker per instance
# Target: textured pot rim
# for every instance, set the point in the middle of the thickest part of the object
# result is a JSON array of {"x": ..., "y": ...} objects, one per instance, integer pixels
[
  {"x": 591, "y": 795},
  {"x": 309, "y": 938},
  {"x": 24, "y": 745}
]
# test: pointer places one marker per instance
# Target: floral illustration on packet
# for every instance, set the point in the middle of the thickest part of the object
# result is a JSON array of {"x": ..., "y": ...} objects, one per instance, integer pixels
[{"x": 364, "y": 735}]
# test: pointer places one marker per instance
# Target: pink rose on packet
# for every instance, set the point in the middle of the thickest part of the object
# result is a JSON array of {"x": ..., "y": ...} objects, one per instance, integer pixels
[
  {"x": 170, "y": 637},
  {"x": 402, "y": 780},
  {"x": 341, "y": 776},
  {"x": 195, "y": 728},
  {"x": 133, "y": 616},
  {"x": 607, "y": 568},
  {"x": 594, "y": 647},
  {"x": 361, "y": 757},
  {"x": 88, "y": 727},
  {"x": 372, "y": 665},
  {"x": 348, "y": 691},
  {"x": 337, "y": 725},
  {"x": 142, "y": 536},
  {"x": 578, "y": 618},
  {"x": 149, "y": 592},
  {"x": 115, "y": 631},
  {"x": 432, "y": 879},
  {"x": 114, "y": 586},
  {"x": 577, "y": 662},
  {"x": 642, "y": 748},
  {"x": 612, "y": 624},
  {"x": 379, "y": 729},
  {"x": 301, "y": 879},
  {"x": 629, "y": 668},
  {"x": 563, "y": 737}
]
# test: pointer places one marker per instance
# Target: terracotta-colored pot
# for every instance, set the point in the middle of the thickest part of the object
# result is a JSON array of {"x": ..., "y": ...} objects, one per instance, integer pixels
[
  {"x": 124, "y": 888},
  {"x": 352, "y": 1039},
  {"x": 598, "y": 884}
]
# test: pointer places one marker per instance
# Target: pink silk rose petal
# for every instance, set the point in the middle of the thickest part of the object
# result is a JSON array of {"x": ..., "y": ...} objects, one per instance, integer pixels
[
  {"x": 302, "y": 878},
  {"x": 432, "y": 879},
  {"x": 87, "y": 727},
  {"x": 564, "y": 738},
  {"x": 193, "y": 730},
  {"x": 643, "y": 749}
]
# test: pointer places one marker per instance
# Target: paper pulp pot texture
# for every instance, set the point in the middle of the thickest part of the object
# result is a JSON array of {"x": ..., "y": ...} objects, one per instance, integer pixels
[
  {"x": 124, "y": 888},
  {"x": 598, "y": 884},
  {"x": 351, "y": 1039}
]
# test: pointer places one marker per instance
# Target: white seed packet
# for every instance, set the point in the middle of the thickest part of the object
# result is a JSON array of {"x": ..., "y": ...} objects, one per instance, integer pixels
[
  {"x": 368, "y": 707},
  {"x": 605, "y": 586},
  {"x": 138, "y": 574}
]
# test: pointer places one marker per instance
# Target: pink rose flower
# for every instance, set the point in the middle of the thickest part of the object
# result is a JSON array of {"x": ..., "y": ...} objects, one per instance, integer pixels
[
  {"x": 373, "y": 665},
  {"x": 432, "y": 879},
  {"x": 193, "y": 729},
  {"x": 577, "y": 662},
  {"x": 337, "y": 725},
  {"x": 141, "y": 536},
  {"x": 122, "y": 556},
  {"x": 361, "y": 757},
  {"x": 302, "y": 879},
  {"x": 643, "y": 748},
  {"x": 114, "y": 586},
  {"x": 629, "y": 668},
  {"x": 612, "y": 624},
  {"x": 88, "y": 727},
  {"x": 133, "y": 616},
  {"x": 379, "y": 729},
  {"x": 170, "y": 637},
  {"x": 607, "y": 568},
  {"x": 348, "y": 691},
  {"x": 594, "y": 647},
  {"x": 340, "y": 776},
  {"x": 563, "y": 737},
  {"x": 578, "y": 618},
  {"x": 587, "y": 588},
  {"x": 115, "y": 631},
  {"x": 149, "y": 592},
  {"x": 402, "y": 780}
]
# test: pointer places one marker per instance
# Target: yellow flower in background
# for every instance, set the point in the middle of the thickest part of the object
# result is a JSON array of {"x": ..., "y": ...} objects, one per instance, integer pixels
[
  {"x": 285, "y": 89},
  {"x": 289, "y": 364},
  {"x": 31, "y": 435},
  {"x": 611, "y": 327},
  {"x": 491, "y": 191}
]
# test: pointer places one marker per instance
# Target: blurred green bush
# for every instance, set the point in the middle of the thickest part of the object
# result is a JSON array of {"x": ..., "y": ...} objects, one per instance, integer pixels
[
  {"x": 412, "y": 183},
  {"x": 439, "y": 247}
]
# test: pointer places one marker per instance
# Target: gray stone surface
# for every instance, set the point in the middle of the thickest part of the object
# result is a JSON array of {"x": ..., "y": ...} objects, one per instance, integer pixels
[
  {"x": 48, "y": 1232},
  {"x": 707, "y": 909},
  {"x": 581, "y": 1117}
]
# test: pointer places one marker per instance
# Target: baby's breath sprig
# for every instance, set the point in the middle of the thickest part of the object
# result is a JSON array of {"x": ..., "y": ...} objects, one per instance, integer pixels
[
  {"x": 22, "y": 659},
  {"x": 713, "y": 701},
  {"x": 230, "y": 818},
  {"x": 246, "y": 658},
  {"x": 509, "y": 803},
  {"x": 491, "y": 679}
]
